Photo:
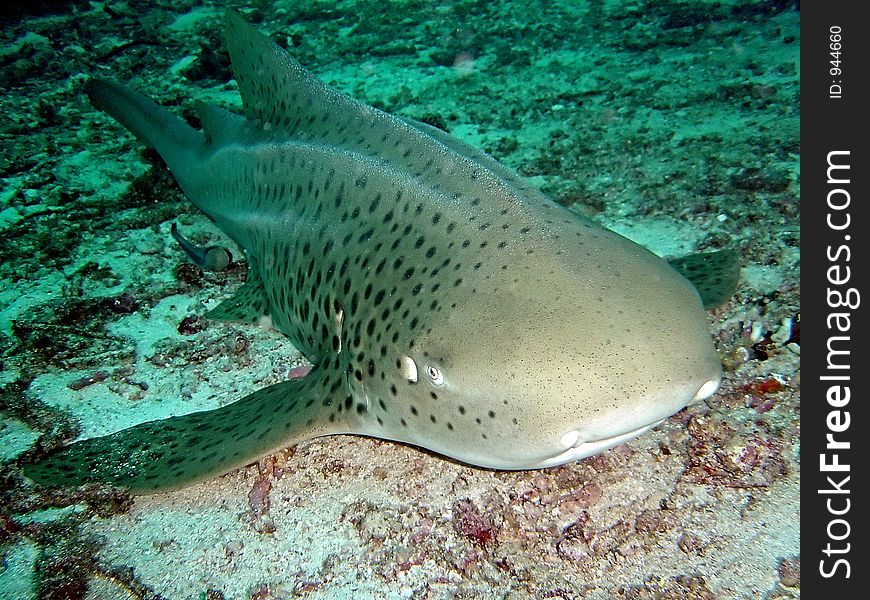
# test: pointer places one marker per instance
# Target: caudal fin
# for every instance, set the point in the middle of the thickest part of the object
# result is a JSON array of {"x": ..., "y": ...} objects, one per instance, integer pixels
[
  {"x": 168, "y": 454},
  {"x": 153, "y": 125}
]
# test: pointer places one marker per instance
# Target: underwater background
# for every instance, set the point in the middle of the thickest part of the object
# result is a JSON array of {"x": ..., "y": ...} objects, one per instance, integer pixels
[{"x": 673, "y": 123}]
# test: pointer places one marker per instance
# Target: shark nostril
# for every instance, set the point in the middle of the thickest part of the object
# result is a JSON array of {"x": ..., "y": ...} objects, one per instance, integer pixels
[
  {"x": 707, "y": 390},
  {"x": 570, "y": 439}
]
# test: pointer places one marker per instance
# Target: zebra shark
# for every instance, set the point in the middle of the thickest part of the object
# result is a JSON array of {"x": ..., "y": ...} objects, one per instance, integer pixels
[{"x": 443, "y": 301}]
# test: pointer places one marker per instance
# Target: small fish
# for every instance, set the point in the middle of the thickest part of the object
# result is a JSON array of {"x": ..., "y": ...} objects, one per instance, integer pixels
[
  {"x": 213, "y": 258},
  {"x": 442, "y": 301}
]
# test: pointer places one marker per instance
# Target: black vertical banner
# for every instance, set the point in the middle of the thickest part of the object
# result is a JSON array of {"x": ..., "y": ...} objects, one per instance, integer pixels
[{"x": 835, "y": 228}]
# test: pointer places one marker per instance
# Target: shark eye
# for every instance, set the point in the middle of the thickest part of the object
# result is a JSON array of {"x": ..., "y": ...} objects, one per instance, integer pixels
[{"x": 435, "y": 375}]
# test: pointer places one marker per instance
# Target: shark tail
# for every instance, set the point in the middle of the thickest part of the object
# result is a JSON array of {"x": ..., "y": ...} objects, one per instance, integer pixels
[
  {"x": 167, "y": 133},
  {"x": 167, "y": 454}
]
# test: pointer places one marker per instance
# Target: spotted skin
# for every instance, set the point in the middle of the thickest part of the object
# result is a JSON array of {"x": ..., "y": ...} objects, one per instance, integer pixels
[
  {"x": 443, "y": 301},
  {"x": 714, "y": 274}
]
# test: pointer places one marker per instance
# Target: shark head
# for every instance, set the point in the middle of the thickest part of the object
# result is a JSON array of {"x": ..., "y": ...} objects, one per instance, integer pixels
[{"x": 557, "y": 354}]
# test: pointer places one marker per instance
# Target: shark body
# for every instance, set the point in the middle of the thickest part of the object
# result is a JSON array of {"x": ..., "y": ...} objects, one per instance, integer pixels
[{"x": 443, "y": 301}]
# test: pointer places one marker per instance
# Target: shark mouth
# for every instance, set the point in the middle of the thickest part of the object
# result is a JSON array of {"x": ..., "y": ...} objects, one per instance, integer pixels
[{"x": 578, "y": 450}]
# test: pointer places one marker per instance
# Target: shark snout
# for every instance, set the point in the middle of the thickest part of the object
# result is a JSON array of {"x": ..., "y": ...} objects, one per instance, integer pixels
[
  {"x": 591, "y": 438},
  {"x": 707, "y": 389}
]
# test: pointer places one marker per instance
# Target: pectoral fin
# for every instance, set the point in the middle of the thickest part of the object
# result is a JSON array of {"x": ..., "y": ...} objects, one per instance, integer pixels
[
  {"x": 714, "y": 274},
  {"x": 168, "y": 454}
]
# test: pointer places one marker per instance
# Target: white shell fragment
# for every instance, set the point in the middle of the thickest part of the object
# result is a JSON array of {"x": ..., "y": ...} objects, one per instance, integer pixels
[{"x": 408, "y": 368}]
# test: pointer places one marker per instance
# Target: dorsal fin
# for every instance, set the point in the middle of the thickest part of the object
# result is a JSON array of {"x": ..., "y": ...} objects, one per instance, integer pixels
[
  {"x": 218, "y": 124},
  {"x": 714, "y": 274},
  {"x": 286, "y": 101},
  {"x": 275, "y": 88}
]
